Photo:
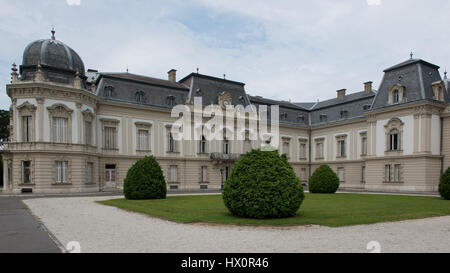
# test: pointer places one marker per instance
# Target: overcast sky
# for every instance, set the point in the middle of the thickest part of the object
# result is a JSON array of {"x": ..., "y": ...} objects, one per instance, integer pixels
[{"x": 288, "y": 50}]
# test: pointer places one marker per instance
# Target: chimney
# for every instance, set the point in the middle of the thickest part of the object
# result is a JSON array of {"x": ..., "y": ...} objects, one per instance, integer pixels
[
  {"x": 172, "y": 75},
  {"x": 368, "y": 87},
  {"x": 341, "y": 94}
]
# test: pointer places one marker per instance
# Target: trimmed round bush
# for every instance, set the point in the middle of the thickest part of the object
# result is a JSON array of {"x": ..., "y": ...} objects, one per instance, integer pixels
[
  {"x": 262, "y": 185},
  {"x": 324, "y": 180},
  {"x": 444, "y": 186},
  {"x": 145, "y": 180}
]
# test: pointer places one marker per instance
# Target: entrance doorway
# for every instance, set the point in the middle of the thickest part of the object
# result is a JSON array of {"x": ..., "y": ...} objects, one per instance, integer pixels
[{"x": 110, "y": 175}]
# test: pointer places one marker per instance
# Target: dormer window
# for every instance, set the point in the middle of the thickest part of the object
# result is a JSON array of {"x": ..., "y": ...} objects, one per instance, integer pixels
[
  {"x": 366, "y": 107},
  {"x": 301, "y": 118},
  {"x": 140, "y": 97},
  {"x": 109, "y": 91},
  {"x": 284, "y": 116},
  {"x": 170, "y": 100},
  {"x": 344, "y": 114},
  {"x": 397, "y": 94},
  {"x": 323, "y": 118},
  {"x": 438, "y": 90},
  {"x": 199, "y": 92}
]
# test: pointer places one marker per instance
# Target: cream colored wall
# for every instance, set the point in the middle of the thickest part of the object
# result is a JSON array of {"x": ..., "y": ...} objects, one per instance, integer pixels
[{"x": 353, "y": 143}]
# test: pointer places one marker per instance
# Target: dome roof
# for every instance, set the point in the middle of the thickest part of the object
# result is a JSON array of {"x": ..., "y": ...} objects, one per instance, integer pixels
[{"x": 54, "y": 54}]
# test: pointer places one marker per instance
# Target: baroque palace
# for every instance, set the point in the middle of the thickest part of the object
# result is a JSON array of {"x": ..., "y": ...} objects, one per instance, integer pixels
[{"x": 73, "y": 130}]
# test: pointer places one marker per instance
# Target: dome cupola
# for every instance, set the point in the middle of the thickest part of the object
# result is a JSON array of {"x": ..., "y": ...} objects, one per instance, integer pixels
[{"x": 58, "y": 62}]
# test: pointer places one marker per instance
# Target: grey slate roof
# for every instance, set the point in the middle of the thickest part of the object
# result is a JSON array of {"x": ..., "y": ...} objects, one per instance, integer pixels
[
  {"x": 353, "y": 106},
  {"x": 126, "y": 87},
  {"x": 348, "y": 98},
  {"x": 209, "y": 88},
  {"x": 290, "y": 113},
  {"x": 415, "y": 75}
]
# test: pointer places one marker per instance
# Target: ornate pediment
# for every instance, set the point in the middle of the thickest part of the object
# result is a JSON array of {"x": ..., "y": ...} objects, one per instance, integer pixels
[
  {"x": 59, "y": 110},
  {"x": 26, "y": 106}
]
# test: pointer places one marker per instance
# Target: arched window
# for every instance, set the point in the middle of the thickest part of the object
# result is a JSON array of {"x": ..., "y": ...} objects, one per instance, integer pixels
[
  {"x": 394, "y": 140},
  {"x": 140, "y": 97}
]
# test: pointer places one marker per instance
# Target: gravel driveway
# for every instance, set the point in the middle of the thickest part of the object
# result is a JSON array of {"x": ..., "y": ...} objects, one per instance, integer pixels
[{"x": 100, "y": 228}]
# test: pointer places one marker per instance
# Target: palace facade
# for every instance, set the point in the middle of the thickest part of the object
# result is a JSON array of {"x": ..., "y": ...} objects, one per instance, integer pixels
[{"x": 73, "y": 130}]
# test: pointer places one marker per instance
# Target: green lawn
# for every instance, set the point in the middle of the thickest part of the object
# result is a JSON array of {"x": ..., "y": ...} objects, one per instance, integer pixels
[{"x": 327, "y": 210}]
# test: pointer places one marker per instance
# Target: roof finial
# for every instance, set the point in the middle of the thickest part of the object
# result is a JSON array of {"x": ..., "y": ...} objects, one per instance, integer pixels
[
  {"x": 197, "y": 70},
  {"x": 224, "y": 76},
  {"x": 445, "y": 74},
  {"x": 127, "y": 69},
  {"x": 411, "y": 54},
  {"x": 53, "y": 33}
]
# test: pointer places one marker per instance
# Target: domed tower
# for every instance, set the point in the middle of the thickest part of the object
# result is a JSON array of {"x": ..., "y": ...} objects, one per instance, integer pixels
[
  {"x": 52, "y": 138},
  {"x": 58, "y": 62}
]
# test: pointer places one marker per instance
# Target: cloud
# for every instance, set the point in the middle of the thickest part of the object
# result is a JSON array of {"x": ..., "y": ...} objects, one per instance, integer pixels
[
  {"x": 374, "y": 2},
  {"x": 73, "y": 2}
]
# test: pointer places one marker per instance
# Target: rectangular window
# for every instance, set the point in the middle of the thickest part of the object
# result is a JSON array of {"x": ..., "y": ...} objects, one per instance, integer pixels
[
  {"x": 226, "y": 146},
  {"x": 61, "y": 172},
  {"x": 203, "y": 145},
  {"x": 173, "y": 187},
  {"x": 397, "y": 173},
  {"x": 27, "y": 127},
  {"x": 88, "y": 133},
  {"x": 60, "y": 130},
  {"x": 363, "y": 174},
  {"x": 286, "y": 148},
  {"x": 320, "y": 150},
  {"x": 303, "y": 174},
  {"x": 171, "y": 143},
  {"x": 340, "y": 172},
  {"x": 143, "y": 144},
  {"x": 204, "y": 170},
  {"x": 341, "y": 148},
  {"x": 302, "y": 150},
  {"x": 173, "y": 174},
  {"x": 388, "y": 173},
  {"x": 394, "y": 143},
  {"x": 110, "y": 138},
  {"x": 203, "y": 187},
  {"x": 90, "y": 173},
  {"x": 364, "y": 146},
  {"x": 26, "y": 172}
]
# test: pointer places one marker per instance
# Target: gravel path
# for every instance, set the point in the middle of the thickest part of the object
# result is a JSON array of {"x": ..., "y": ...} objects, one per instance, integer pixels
[{"x": 100, "y": 228}]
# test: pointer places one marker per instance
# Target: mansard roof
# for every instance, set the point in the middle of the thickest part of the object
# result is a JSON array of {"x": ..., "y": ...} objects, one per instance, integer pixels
[
  {"x": 415, "y": 75},
  {"x": 290, "y": 113},
  {"x": 140, "y": 90},
  {"x": 347, "y": 99},
  {"x": 210, "y": 88},
  {"x": 352, "y": 107}
]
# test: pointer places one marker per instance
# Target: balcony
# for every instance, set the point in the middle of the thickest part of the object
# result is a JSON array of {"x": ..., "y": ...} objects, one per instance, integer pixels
[
  {"x": 46, "y": 147},
  {"x": 221, "y": 157}
]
